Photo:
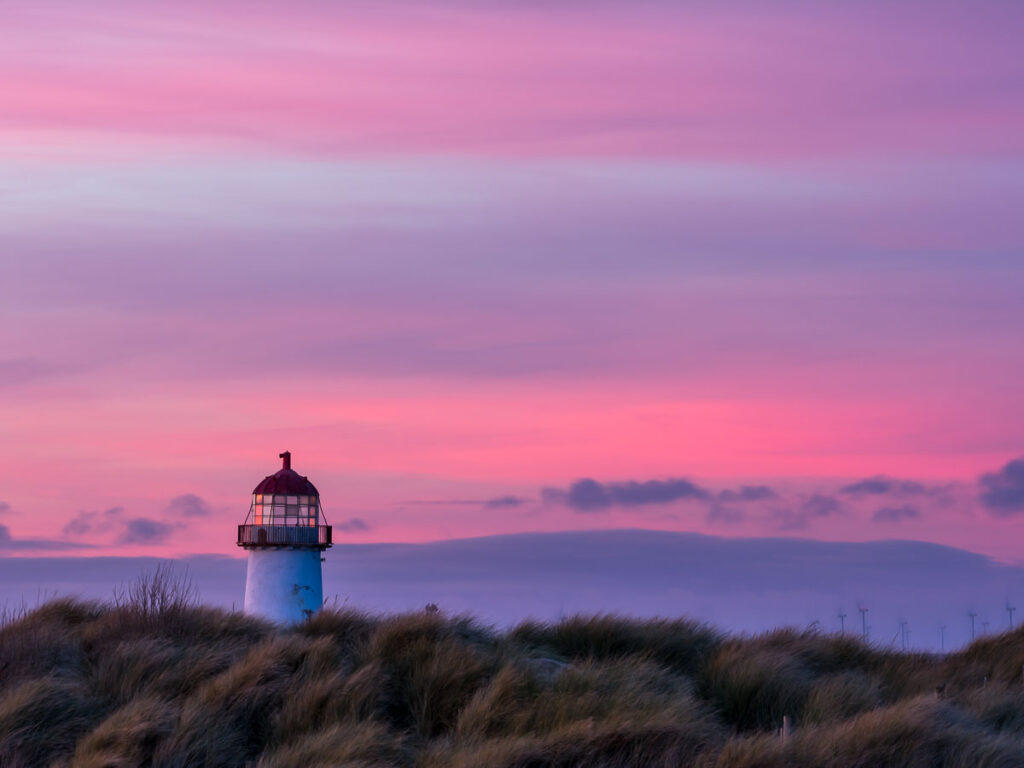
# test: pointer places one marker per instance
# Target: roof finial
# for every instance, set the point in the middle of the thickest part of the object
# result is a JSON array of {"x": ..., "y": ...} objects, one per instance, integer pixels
[{"x": 287, "y": 456}]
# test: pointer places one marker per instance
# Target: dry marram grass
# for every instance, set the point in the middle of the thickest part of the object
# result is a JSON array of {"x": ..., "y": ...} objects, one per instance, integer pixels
[{"x": 156, "y": 679}]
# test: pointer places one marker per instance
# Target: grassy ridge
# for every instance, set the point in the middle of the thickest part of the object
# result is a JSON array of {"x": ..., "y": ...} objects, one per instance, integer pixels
[{"x": 158, "y": 680}]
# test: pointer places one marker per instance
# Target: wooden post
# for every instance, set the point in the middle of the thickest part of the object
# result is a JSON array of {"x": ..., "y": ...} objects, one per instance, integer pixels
[{"x": 786, "y": 728}]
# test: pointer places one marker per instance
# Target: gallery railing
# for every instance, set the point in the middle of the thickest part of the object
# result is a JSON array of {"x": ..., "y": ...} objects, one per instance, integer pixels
[{"x": 284, "y": 536}]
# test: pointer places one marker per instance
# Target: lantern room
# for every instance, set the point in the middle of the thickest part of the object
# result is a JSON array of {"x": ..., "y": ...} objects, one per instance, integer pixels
[{"x": 285, "y": 510}]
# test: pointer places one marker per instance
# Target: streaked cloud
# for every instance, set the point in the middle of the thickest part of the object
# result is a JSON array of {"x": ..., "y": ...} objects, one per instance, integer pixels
[
  {"x": 456, "y": 79},
  {"x": 721, "y": 514},
  {"x": 880, "y": 485},
  {"x": 24, "y": 370},
  {"x": 86, "y": 523},
  {"x": 896, "y": 514},
  {"x": 353, "y": 525},
  {"x": 686, "y": 255},
  {"x": 143, "y": 530},
  {"x": 822, "y": 505},
  {"x": 496, "y": 502},
  {"x": 187, "y": 505},
  {"x": 748, "y": 493},
  {"x": 9, "y": 543},
  {"x": 505, "y": 502},
  {"x": 800, "y": 514}
]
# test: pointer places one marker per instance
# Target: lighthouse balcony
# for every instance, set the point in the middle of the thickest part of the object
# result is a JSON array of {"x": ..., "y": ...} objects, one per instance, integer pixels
[{"x": 314, "y": 536}]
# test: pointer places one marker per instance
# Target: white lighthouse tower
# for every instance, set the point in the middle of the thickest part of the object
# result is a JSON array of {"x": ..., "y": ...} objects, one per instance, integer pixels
[{"x": 285, "y": 535}]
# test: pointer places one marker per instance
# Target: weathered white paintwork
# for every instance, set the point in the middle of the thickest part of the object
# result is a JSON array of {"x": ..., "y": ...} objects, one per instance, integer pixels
[{"x": 284, "y": 584}]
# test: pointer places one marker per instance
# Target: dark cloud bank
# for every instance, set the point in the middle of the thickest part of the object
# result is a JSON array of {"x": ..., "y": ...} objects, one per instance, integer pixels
[
  {"x": 738, "y": 584},
  {"x": 124, "y": 528},
  {"x": 1002, "y": 492},
  {"x": 589, "y": 495},
  {"x": 728, "y": 506},
  {"x": 883, "y": 486}
]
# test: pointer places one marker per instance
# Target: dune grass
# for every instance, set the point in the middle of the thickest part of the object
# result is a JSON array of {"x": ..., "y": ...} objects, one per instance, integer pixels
[{"x": 151, "y": 681}]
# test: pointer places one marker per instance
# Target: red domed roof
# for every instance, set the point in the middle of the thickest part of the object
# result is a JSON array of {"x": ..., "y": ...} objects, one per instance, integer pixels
[{"x": 287, "y": 480}]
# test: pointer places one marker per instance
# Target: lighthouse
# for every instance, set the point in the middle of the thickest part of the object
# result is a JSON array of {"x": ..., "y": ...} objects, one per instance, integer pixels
[{"x": 285, "y": 535}]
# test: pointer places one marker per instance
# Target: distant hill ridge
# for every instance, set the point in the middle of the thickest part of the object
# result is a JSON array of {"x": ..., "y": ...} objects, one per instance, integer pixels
[{"x": 738, "y": 584}]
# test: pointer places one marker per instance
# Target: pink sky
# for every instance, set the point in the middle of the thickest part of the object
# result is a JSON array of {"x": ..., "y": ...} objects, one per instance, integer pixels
[{"x": 453, "y": 253}]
